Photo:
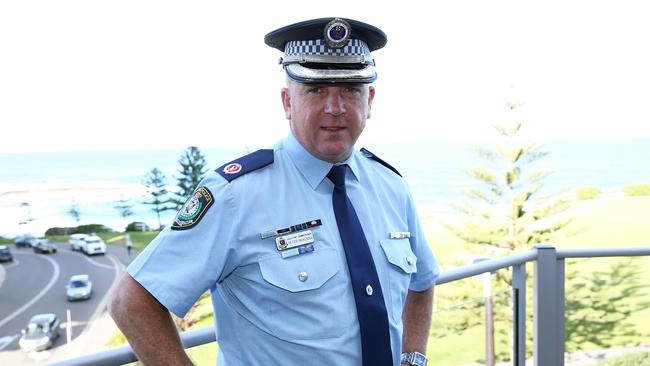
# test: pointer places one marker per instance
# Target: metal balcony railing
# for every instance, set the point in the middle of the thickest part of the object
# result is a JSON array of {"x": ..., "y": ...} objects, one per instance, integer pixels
[{"x": 548, "y": 308}]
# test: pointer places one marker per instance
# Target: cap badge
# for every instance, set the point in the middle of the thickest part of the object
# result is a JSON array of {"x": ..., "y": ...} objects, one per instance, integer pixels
[
  {"x": 337, "y": 32},
  {"x": 233, "y": 168}
]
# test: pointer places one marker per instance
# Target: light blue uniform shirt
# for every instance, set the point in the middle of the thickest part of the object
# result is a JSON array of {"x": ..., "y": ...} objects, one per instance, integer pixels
[{"x": 298, "y": 310}]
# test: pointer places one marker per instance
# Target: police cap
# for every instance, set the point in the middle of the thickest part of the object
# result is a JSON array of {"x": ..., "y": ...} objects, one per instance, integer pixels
[{"x": 328, "y": 50}]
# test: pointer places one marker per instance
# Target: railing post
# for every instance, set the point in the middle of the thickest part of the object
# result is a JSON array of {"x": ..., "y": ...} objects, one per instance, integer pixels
[
  {"x": 519, "y": 314},
  {"x": 560, "y": 306},
  {"x": 547, "y": 349}
]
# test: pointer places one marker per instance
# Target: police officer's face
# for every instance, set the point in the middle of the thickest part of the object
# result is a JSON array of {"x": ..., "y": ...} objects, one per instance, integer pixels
[{"x": 327, "y": 119}]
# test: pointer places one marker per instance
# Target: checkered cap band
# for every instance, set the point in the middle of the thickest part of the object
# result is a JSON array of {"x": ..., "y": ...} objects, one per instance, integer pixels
[{"x": 354, "y": 47}]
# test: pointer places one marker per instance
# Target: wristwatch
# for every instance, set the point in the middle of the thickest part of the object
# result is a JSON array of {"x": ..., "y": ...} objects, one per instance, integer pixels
[{"x": 414, "y": 358}]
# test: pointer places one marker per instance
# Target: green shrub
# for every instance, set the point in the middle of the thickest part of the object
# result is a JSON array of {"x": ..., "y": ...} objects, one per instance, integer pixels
[
  {"x": 91, "y": 228},
  {"x": 138, "y": 226},
  {"x": 637, "y": 190},
  {"x": 587, "y": 193},
  {"x": 632, "y": 359},
  {"x": 58, "y": 231},
  {"x": 81, "y": 229}
]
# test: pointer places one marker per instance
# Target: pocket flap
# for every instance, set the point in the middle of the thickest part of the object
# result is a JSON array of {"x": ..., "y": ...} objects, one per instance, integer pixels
[
  {"x": 399, "y": 253},
  {"x": 302, "y": 272}
]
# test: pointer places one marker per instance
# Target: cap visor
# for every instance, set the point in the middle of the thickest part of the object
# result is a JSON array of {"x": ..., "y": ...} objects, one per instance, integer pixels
[{"x": 303, "y": 74}]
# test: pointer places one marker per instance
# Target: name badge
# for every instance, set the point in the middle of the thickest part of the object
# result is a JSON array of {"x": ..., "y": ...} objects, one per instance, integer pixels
[
  {"x": 294, "y": 240},
  {"x": 399, "y": 235}
]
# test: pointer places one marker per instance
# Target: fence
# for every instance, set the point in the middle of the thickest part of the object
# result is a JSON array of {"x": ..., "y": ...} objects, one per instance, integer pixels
[{"x": 548, "y": 308}]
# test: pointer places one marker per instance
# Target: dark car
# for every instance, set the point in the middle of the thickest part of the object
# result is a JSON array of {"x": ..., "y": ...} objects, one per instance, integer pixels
[
  {"x": 40, "y": 334},
  {"x": 25, "y": 241},
  {"x": 44, "y": 246},
  {"x": 5, "y": 254}
]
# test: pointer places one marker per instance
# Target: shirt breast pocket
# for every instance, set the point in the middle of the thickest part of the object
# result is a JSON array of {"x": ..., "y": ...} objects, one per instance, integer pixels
[
  {"x": 303, "y": 296},
  {"x": 403, "y": 263}
]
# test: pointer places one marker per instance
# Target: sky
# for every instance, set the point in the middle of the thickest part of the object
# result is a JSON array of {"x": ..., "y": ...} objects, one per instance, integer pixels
[{"x": 103, "y": 75}]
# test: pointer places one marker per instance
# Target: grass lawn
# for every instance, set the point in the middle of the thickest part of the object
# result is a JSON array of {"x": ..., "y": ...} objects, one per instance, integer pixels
[
  {"x": 139, "y": 239},
  {"x": 455, "y": 349},
  {"x": 201, "y": 355},
  {"x": 207, "y": 353},
  {"x": 621, "y": 222}
]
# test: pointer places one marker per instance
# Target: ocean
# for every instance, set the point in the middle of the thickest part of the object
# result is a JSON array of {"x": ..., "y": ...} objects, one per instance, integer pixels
[{"x": 37, "y": 190}]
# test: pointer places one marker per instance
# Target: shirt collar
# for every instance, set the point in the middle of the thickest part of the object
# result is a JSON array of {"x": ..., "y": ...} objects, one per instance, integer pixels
[{"x": 313, "y": 169}]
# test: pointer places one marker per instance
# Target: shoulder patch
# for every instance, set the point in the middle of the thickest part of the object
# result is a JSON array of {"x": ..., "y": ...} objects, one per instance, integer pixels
[
  {"x": 193, "y": 210},
  {"x": 246, "y": 164},
  {"x": 374, "y": 157}
]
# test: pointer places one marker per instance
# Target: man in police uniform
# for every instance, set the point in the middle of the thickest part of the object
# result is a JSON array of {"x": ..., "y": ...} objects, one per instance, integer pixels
[{"x": 312, "y": 250}]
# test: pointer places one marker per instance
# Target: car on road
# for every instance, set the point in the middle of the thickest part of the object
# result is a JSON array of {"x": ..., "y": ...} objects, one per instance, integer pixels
[
  {"x": 44, "y": 246},
  {"x": 26, "y": 240},
  {"x": 76, "y": 241},
  {"x": 5, "y": 254},
  {"x": 40, "y": 334},
  {"x": 93, "y": 245},
  {"x": 80, "y": 287}
]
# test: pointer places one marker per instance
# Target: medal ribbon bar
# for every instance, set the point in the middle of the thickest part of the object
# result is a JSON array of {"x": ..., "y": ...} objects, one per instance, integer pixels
[{"x": 291, "y": 229}]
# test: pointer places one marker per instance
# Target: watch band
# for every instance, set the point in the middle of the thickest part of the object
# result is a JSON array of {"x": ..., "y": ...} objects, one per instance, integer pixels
[{"x": 414, "y": 358}]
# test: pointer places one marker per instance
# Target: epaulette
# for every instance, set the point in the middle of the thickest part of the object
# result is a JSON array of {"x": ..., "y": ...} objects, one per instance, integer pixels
[
  {"x": 374, "y": 157},
  {"x": 246, "y": 164}
]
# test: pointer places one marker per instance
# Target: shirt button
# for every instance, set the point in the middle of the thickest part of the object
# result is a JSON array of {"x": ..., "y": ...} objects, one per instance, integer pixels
[
  {"x": 302, "y": 276},
  {"x": 369, "y": 290},
  {"x": 410, "y": 260}
]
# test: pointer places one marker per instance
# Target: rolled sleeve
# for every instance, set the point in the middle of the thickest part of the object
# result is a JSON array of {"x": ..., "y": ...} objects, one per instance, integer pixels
[
  {"x": 179, "y": 265},
  {"x": 427, "y": 266}
]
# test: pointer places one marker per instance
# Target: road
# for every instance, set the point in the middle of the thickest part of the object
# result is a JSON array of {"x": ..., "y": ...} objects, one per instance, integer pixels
[{"x": 35, "y": 283}]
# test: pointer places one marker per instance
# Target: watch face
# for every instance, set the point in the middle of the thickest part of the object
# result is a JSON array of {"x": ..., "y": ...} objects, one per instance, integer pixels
[
  {"x": 415, "y": 358},
  {"x": 419, "y": 359}
]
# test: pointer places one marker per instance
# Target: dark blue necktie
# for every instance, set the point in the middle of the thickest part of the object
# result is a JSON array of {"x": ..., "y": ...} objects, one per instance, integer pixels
[{"x": 371, "y": 310}]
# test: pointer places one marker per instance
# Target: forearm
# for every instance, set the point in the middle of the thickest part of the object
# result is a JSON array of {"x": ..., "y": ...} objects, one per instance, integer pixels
[
  {"x": 147, "y": 325},
  {"x": 416, "y": 318}
]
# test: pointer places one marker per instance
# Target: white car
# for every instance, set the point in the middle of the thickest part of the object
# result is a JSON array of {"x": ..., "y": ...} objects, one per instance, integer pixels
[
  {"x": 40, "y": 334},
  {"x": 76, "y": 241},
  {"x": 79, "y": 288},
  {"x": 93, "y": 245}
]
